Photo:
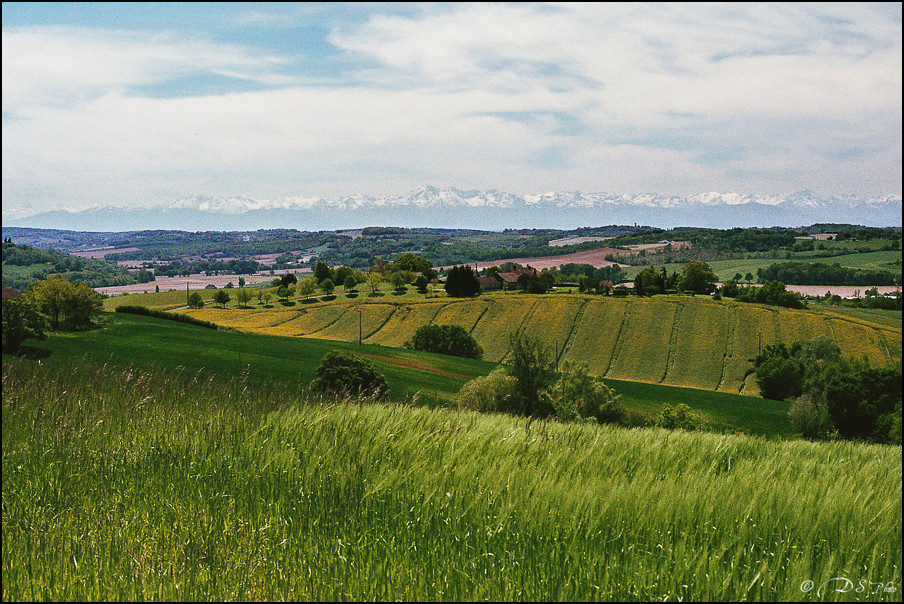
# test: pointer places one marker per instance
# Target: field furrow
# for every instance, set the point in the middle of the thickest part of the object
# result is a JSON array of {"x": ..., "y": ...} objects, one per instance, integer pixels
[
  {"x": 465, "y": 313},
  {"x": 596, "y": 333},
  {"x": 348, "y": 323},
  {"x": 645, "y": 356},
  {"x": 404, "y": 322},
  {"x": 699, "y": 347},
  {"x": 856, "y": 339},
  {"x": 752, "y": 327},
  {"x": 505, "y": 316}
]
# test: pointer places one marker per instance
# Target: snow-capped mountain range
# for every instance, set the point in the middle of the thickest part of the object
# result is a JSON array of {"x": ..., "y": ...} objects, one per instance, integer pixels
[{"x": 429, "y": 206}]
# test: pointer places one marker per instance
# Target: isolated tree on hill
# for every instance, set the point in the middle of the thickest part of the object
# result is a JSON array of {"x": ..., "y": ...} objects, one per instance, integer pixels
[
  {"x": 195, "y": 300},
  {"x": 327, "y": 286},
  {"x": 374, "y": 278},
  {"x": 322, "y": 271},
  {"x": 222, "y": 297},
  {"x": 397, "y": 279},
  {"x": 307, "y": 286},
  {"x": 350, "y": 283},
  {"x": 341, "y": 274},
  {"x": 421, "y": 284},
  {"x": 461, "y": 282},
  {"x": 698, "y": 278},
  {"x": 243, "y": 296}
]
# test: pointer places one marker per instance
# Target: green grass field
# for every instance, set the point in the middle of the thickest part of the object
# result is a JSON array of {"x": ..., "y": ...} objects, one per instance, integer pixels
[
  {"x": 726, "y": 269},
  {"x": 137, "y": 342},
  {"x": 167, "y": 484},
  {"x": 148, "y": 342}
]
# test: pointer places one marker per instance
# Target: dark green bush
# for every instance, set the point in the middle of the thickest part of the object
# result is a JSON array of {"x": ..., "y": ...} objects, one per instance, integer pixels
[
  {"x": 446, "y": 339},
  {"x": 348, "y": 374}
]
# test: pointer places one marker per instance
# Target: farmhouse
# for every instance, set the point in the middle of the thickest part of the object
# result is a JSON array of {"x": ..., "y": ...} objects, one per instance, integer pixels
[
  {"x": 9, "y": 293},
  {"x": 489, "y": 283},
  {"x": 509, "y": 279}
]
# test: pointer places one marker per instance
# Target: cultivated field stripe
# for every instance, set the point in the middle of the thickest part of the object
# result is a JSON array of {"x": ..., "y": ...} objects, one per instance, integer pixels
[{"x": 698, "y": 350}]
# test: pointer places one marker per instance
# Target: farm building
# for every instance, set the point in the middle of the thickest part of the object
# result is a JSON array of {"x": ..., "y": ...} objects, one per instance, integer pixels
[
  {"x": 9, "y": 293},
  {"x": 509, "y": 279}
]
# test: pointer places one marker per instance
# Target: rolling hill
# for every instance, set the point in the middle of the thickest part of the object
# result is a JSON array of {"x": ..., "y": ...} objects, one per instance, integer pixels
[{"x": 670, "y": 340}]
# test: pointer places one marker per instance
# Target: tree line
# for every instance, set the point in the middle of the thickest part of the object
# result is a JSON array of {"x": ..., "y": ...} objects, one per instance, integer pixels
[
  {"x": 834, "y": 396},
  {"x": 51, "y": 304},
  {"x": 816, "y": 273}
]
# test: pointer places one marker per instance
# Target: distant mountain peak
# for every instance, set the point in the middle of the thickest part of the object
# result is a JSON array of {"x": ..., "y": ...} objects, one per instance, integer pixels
[{"x": 487, "y": 209}]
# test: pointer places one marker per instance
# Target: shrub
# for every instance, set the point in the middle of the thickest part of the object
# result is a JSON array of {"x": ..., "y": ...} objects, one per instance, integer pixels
[
  {"x": 810, "y": 415},
  {"x": 578, "y": 395},
  {"x": 488, "y": 394},
  {"x": 21, "y": 320},
  {"x": 348, "y": 374},
  {"x": 169, "y": 316},
  {"x": 446, "y": 339},
  {"x": 531, "y": 366},
  {"x": 677, "y": 418}
]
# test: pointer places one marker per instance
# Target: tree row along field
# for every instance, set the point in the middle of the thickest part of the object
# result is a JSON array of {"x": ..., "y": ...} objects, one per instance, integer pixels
[{"x": 677, "y": 341}]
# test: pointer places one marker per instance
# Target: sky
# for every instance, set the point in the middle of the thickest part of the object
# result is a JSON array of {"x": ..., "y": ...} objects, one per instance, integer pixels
[{"x": 140, "y": 104}]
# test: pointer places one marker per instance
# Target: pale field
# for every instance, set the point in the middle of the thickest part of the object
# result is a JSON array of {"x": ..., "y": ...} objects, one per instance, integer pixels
[
  {"x": 845, "y": 291},
  {"x": 196, "y": 281}
]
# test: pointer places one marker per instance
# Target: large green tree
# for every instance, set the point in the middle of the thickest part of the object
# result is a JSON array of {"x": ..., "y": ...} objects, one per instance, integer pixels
[
  {"x": 222, "y": 297},
  {"x": 414, "y": 263},
  {"x": 446, "y": 339},
  {"x": 68, "y": 305},
  {"x": 461, "y": 282},
  {"x": 21, "y": 320},
  {"x": 243, "y": 296},
  {"x": 698, "y": 278},
  {"x": 531, "y": 364}
]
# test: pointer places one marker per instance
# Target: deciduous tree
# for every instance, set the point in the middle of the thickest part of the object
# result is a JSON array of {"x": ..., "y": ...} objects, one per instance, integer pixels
[
  {"x": 461, "y": 282},
  {"x": 348, "y": 374}
]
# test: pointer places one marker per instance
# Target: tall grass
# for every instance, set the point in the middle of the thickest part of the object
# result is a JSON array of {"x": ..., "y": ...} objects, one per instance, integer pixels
[{"x": 128, "y": 485}]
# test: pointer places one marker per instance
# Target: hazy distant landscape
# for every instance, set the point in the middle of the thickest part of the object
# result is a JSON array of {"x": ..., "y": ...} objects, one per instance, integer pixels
[{"x": 429, "y": 206}]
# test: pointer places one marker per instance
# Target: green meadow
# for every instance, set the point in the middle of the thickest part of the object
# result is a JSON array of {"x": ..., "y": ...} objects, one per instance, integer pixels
[
  {"x": 170, "y": 484},
  {"x": 420, "y": 378},
  {"x": 150, "y": 342}
]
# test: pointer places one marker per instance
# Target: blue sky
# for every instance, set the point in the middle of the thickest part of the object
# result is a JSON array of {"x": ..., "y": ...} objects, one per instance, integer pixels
[{"x": 140, "y": 104}]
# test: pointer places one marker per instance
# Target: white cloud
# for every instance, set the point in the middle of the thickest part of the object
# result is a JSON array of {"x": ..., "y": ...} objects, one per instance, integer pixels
[
  {"x": 624, "y": 98},
  {"x": 62, "y": 66}
]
